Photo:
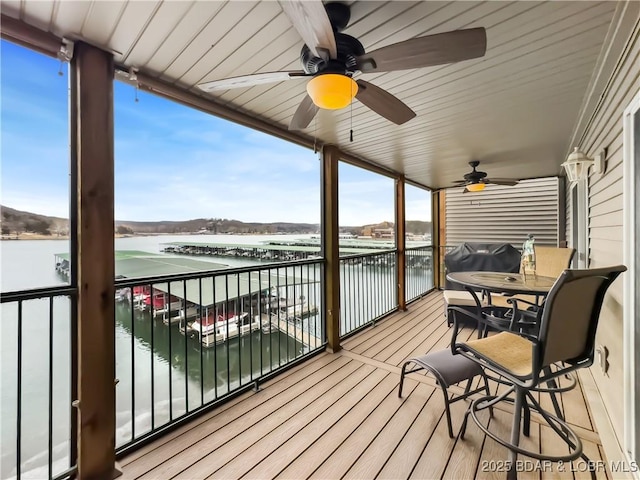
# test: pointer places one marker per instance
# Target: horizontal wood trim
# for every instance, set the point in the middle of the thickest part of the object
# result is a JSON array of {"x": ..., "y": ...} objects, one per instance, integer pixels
[{"x": 22, "y": 33}]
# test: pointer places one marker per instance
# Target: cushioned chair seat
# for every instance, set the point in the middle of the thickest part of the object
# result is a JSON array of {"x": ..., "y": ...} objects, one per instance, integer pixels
[
  {"x": 459, "y": 298},
  {"x": 449, "y": 369},
  {"x": 509, "y": 350}
]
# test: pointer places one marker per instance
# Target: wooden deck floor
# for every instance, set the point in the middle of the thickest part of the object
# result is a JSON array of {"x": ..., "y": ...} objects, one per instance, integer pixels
[{"x": 339, "y": 416}]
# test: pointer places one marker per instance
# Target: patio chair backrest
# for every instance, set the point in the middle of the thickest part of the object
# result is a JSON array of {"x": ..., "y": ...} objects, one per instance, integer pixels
[
  {"x": 552, "y": 261},
  {"x": 570, "y": 315}
]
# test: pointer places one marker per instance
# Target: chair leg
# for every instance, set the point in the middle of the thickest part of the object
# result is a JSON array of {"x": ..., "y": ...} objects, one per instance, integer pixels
[
  {"x": 446, "y": 410},
  {"x": 402, "y": 374},
  {"x": 512, "y": 473},
  {"x": 486, "y": 389},
  {"x": 526, "y": 426}
]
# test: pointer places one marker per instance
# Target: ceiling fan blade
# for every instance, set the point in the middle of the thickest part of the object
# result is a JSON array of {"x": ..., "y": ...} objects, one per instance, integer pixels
[
  {"x": 304, "y": 114},
  {"x": 383, "y": 103},
  {"x": 426, "y": 51},
  {"x": 311, "y": 21},
  {"x": 501, "y": 181},
  {"x": 459, "y": 182},
  {"x": 250, "y": 80}
]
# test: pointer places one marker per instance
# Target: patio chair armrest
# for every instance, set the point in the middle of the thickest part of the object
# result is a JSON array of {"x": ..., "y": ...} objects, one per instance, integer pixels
[
  {"x": 515, "y": 300},
  {"x": 456, "y": 323}
]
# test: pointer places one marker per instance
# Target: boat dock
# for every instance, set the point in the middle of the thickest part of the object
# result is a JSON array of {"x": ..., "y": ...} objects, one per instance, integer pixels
[
  {"x": 275, "y": 250},
  {"x": 294, "y": 330}
]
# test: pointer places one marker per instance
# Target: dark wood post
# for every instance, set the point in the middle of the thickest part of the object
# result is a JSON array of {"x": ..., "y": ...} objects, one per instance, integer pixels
[
  {"x": 330, "y": 239},
  {"x": 438, "y": 232},
  {"x": 92, "y": 124},
  {"x": 401, "y": 242}
]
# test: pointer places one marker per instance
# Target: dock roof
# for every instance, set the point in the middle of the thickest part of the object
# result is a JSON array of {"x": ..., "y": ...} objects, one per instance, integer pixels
[
  {"x": 135, "y": 263},
  {"x": 209, "y": 291}
]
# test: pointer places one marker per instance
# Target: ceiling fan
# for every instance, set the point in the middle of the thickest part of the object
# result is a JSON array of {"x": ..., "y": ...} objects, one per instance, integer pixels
[
  {"x": 330, "y": 59},
  {"x": 475, "y": 180}
]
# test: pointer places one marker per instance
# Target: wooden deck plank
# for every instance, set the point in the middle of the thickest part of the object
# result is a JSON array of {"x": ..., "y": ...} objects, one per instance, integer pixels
[
  {"x": 390, "y": 409},
  {"x": 465, "y": 454},
  {"x": 338, "y": 416},
  {"x": 299, "y": 430},
  {"x": 206, "y": 455},
  {"x": 418, "y": 327},
  {"x": 401, "y": 463},
  {"x": 388, "y": 327},
  {"x": 576, "y": 411},
  {"x": 309, "y": 460},
  {"x": 287, "y": 379},
  {"x": 398, "y": 333},
  {"x": 373, "y": 459},
  {"x": 550, "y": 444},
  {"x": 253, "y": 409}
]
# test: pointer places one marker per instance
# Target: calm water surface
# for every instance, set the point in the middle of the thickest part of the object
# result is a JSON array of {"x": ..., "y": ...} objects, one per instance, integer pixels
[{"x": 30, "y": 264}]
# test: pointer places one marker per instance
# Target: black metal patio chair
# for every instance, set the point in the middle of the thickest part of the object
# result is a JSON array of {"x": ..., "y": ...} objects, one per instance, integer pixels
[{"x": 565, "y": 340}]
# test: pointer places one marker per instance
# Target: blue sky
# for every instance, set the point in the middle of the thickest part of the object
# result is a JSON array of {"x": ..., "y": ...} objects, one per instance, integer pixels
[{"x": 171, "y": 162}]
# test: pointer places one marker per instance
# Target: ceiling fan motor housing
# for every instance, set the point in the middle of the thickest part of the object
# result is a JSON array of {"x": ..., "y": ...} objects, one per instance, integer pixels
[{"x": 348, "y": 48}]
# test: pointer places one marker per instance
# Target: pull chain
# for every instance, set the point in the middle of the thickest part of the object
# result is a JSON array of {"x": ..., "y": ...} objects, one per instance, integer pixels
[
  {"x": 351, "y": 117},
  {"x": 315, "y": 136}
]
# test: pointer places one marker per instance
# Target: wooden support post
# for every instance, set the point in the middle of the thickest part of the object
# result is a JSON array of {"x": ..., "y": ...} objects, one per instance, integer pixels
[
  {"x": 330, "y": 239},
  {"x": 439, "y": 236},
  {"x": 92, "y": 124},
  {"x": 401, "y": 242}
]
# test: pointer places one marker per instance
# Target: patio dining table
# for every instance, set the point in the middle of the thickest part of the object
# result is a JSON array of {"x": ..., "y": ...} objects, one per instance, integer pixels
[
  {"x": 501, "y": 282},
  {"x": 485, "y": 283}
]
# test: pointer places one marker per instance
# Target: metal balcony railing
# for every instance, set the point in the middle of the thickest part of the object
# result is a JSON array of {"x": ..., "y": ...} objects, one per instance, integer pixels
[
  {"x": 367, "y": 289},
  {"x": 418, "y": 272},
  {"x": 185, "y": 342},
  {"x": 38, "y": 383}
]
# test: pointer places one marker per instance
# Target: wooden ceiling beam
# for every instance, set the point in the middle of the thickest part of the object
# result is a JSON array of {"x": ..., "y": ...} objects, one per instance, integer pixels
[{"x": 22, "y": 33}]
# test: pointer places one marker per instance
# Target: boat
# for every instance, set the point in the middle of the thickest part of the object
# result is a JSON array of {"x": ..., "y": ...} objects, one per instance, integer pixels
[
  {"x": 178, "y": 314},
  {"x": 210, "y": 332}
]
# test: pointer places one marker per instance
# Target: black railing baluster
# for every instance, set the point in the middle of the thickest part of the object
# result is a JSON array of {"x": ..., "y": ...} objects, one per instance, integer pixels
[
  {"x": 19, "y": 395},
  {"x": 239, "y": 312},
  {"x": 186, "y": 353},
  {"x": 201, "y": 323},
  {"x": 215, "y": 338},
  {"x": 226, "y": 287},
  {"x": 153, "y": 378},
  {"x": 260, "y": 320},
  {"x": 50, "y": 392},
  {"x": 250, "y": 307},
  {"x": 170, "y": 358},
  {"x": 133, "y": 370}
]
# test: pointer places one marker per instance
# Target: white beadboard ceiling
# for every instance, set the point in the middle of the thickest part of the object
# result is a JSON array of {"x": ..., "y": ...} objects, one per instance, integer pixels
[{"x": 515, "y": 109}]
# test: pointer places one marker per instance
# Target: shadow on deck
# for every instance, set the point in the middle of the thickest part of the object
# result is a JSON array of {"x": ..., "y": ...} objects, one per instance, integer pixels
[{"x": 339, "y": 416}]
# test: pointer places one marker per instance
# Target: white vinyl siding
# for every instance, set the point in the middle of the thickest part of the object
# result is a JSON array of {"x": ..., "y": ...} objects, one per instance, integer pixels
[
  {"x": 502, "y": 214},
  {"x": 605, "y": 131}
]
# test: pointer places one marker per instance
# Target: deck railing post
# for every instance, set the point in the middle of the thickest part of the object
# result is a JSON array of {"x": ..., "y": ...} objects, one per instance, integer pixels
[
  {"x": 92, "y": 149},
  {"x": 330, "y": 247},
  {"x": 438, "y": 236},
  {"x": 401, "y": 242}
]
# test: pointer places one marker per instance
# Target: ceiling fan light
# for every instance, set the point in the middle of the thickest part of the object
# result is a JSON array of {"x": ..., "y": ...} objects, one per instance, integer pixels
[
  {"x": 475, "y": 187},
  {"x": 332, "y": 91}
]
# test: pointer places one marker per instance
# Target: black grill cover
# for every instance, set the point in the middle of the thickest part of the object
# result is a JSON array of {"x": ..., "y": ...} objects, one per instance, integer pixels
[{"x": 488, "y": 257}]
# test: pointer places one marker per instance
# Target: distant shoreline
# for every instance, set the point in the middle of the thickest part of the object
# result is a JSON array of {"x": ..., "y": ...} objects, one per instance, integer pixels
[{"x": 38, "y": 236}]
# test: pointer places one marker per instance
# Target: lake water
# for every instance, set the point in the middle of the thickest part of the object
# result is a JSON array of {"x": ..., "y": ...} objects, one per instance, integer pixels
[
  {"x": 165, "y": 364},
  {"x": 30, "y": 264}
]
